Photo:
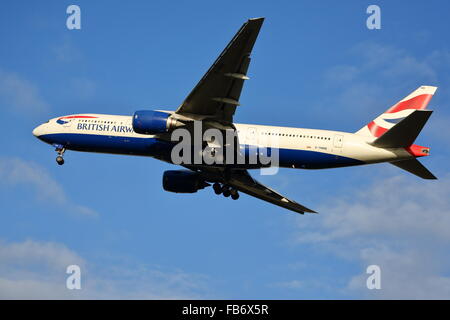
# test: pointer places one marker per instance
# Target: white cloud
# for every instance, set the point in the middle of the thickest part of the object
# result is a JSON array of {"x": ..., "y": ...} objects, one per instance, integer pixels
[
  {"x": 15, "y": 171},
  {"x": 401, "y": 224},
  {"x": 34, "y": 270},
  {"x": 392, "y": 207},
  {"x": 53, "y": 256},
  {"x": 20, "y": 95},
  {"x": 405, "y": 274},
  {"x": 37, "y": 270},
  {"x": 144, "y": 282},
  {"x": 66, "y": 52},
  {"x": 393, "y": 62},
  {"x": 381, "y": 75}
]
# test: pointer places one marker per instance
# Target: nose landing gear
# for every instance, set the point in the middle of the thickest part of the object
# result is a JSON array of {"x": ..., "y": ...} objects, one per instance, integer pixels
[{"x": 59, "y": 158}]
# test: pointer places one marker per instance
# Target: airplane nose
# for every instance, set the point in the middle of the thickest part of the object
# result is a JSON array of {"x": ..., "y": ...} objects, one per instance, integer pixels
[{"x": 38, "y": 131}]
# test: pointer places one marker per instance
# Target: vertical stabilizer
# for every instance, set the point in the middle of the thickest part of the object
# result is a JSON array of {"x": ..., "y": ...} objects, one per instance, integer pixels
[{"x": 417, "y": 100}]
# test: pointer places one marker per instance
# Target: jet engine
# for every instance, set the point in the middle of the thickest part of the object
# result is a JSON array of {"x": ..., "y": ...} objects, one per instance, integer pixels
[
  {"x": 153, "y": 122},
  {"x": 183, "y": 181}
]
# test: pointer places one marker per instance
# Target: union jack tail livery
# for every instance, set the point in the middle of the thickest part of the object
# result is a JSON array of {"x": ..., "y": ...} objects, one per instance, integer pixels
[
  {"x": 417, "y": 100},
  {"x": 399, "y": 127}
]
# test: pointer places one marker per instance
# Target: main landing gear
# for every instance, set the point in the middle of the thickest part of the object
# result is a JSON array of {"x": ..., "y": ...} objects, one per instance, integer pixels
[
  {"x": 59, "y": 158},
  {"x": 226, "y": 191}
]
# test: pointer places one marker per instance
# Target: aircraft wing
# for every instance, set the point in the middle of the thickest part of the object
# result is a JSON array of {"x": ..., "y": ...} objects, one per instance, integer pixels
[
  {"x": 217, "y": 94},
  {"x": 243, "y": 181}
]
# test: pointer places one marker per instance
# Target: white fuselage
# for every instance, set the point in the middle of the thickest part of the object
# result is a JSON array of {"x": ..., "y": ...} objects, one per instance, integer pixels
[{"x": 299, "y": 148}]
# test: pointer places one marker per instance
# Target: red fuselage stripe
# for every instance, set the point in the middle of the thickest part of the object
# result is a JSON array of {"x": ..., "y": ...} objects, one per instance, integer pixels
[{"x": 78, "y": 117}]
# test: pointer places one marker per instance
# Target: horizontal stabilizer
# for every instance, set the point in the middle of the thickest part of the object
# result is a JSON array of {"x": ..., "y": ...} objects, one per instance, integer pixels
[
  {"x": 404, "y": 133},
  {"x": 415, "y": 167}
]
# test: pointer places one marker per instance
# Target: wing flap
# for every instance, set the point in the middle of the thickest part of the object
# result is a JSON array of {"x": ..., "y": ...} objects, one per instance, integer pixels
[{"x": 242, "y": 181}]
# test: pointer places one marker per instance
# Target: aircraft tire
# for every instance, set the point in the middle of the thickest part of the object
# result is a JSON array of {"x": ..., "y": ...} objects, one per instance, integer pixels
[{"x": 60, "y": 160}]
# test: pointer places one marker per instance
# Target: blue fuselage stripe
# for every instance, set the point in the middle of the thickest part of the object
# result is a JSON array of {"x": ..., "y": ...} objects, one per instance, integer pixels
[{"x": 162, "y": 150}]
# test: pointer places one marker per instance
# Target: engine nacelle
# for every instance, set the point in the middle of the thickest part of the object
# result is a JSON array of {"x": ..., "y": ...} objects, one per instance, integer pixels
[
  {"x": 183, "y": 181},
  {"x": 153, "y": 122}
]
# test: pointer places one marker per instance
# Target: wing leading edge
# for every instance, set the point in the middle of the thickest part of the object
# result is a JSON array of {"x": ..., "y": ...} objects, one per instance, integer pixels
[{"x": 217, "y": 94}]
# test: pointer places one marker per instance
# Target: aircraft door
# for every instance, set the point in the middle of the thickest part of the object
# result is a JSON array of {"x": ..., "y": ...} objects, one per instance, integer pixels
[
  {"x": 338, "y": 140},
  {"x": 252, "y": 136}
]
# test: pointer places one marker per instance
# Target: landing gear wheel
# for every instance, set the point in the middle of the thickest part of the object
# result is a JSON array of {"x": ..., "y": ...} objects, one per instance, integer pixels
[
  {"x": 217, "y": 188},
  {"x": 226, "y": 192},
  {"x": 60, "y": 160},
  {"x": 234, "y": 194},
  {"x": 60, "y": 150}
]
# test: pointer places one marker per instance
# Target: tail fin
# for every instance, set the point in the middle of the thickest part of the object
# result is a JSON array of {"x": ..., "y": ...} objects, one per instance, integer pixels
[
  {"x": 417, "y": 100},
  {"x": 400, "y": 125},
  {"x": 415, "y": 167}
]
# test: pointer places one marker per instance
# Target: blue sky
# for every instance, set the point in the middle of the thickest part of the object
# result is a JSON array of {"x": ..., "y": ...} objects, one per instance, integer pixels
[{"x": 315, "y": 65}]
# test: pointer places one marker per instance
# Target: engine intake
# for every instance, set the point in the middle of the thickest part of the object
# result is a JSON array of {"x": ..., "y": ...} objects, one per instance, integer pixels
[
  {"x": 183, "y": 181},
  {"x": 153, "y": 122}
]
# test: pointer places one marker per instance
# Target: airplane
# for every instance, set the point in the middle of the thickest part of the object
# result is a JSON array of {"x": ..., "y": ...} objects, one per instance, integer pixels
[{"x": 212, "y": 103}]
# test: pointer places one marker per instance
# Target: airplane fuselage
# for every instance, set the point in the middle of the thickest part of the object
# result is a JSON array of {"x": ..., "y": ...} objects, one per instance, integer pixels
[{"x": 297, "y": 147}]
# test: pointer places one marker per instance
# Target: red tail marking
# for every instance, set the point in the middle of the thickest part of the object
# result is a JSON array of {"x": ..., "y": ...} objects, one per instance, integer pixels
[
  {"x": 419, "y": 102},
  {"x": 376, "y": 130},
  {"x": 418, "y": 151}
]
